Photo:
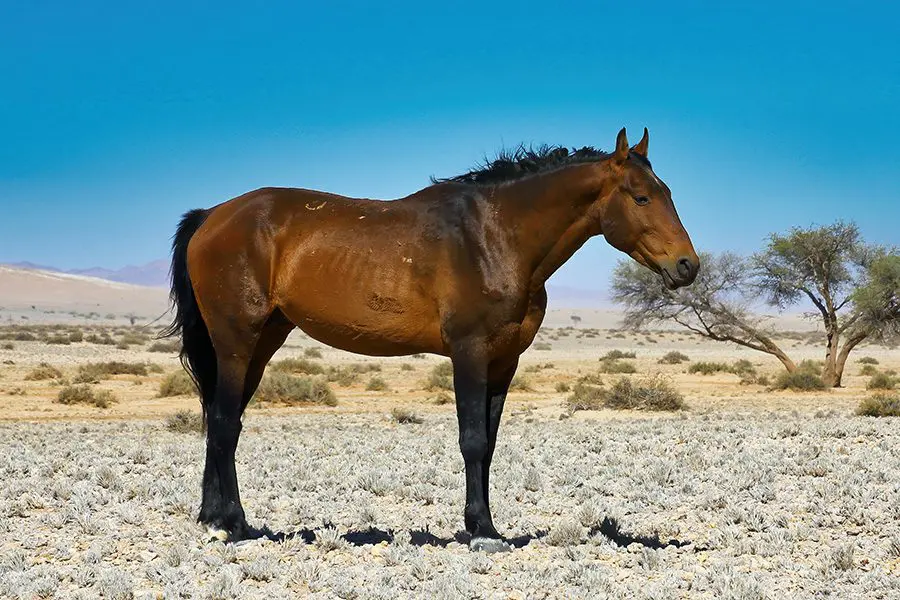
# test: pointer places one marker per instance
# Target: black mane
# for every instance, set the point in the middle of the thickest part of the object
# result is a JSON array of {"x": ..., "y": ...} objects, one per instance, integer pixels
[{"x": 511, "y": 165}]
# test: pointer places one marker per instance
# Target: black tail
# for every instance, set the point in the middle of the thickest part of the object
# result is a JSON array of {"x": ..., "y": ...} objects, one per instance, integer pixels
[{"x": 197, "y": 353}]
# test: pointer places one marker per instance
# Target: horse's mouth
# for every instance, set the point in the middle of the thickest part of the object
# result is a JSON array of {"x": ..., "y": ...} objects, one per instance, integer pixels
[{"x": 668, "y": 280}]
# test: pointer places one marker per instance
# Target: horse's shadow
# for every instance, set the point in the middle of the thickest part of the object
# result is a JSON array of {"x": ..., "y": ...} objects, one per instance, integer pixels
[{"x": 609, "y": 528}]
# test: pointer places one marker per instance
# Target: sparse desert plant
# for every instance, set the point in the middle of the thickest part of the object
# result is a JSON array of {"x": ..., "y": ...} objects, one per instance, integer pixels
[
  {"x": 418, "y": 356},
  {"x": 178, "y": 383},
  {"x": 880, "y": 404},
  {"x": 617, "y": 366},
  {"x": 342, "y": 376},
  {"x": 376, "y": 384},
  {"x": 278, "y": 387},
  {"x": 520, "y": 383},
  {"x": 585, "y": 397},
  {"x": 708, "y": 368},
  {"x": 312, "y": 353},
  {"x": 103, "y": 339},
  {"x": 404, "y": 415},
  {"x": 93, "y": 372},
  {"x": 8, "y": 346},
  {"x": 442, "y": 398},
  {"x": 651, "y": 393},
  {"x": 167, "y": 347},
  {"x": 134, "y": 339},
  {"x": 542, "y": 346},
  {"x": 562, "y": 387},
  {"x": 302, "y": 366},
  {"x": 76, "y": 336},
  {"x": 58, "y": 340},
  {"x": 810, "y": 366},
  {"x": 185, "y": 421},
  {"x": 24, "y": 336},
  {"x": 366, "y": 367},
  {"x": 881, "y": 381},
  {"x": 42, "y": 372},
  {"x": 85, "y": 394},
  {"x": 590, "y": 379},
  {"x": 441, "y": 377},
  {"x": 673, "y": 358},
  {"x": 566, "y": 533},
  {"x": 801, "y": 381},
  {"x": 743, "y": 367},
  {"x": 407, "y": 367},
  {"x": 867, "y": 360},
  {"x": 868, "y": 370},
  {"x": 617, "y": 355}
]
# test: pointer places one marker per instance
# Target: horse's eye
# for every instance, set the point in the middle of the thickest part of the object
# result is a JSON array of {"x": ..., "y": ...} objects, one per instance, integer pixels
[{"x": 642, "y": 200}]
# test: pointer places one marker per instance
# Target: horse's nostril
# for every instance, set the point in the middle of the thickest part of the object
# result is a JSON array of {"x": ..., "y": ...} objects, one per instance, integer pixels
[{"x": 685, "y": 268}]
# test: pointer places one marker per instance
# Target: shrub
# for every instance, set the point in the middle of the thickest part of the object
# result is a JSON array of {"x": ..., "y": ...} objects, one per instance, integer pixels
[
  {"x": 312, "y": 353},
  {"x": 441, "y": 377},
  {"x": 868, "y": 370},
  {"x": 185, "y": 421},
  {"x": 520, "y": 383},
  {"x": 405, "y": 415},
  {"x": 867, "y": 360},
  {"x": 43, "y": 371},
  {"x": 418, "y": 356},
  {"x": 673, "y": 358},
  {"x": 407, "y": 367},
  {"x": 341, "y": 376},
  {"x": 880, "y": 404},
  {"x": 881, "y": 381},
  {"x": 24, "y": 336},
  {"x": 810, "y": 366},
  {"x": 442, "y": 398},
  {"x": 653, "y": 393},
  {"x": 585, "y": 397},
  {"x": 562, "y": 387},
  {"x": 167, "y": 347},
  {"x": 289, "y": 389},
  {"x": 708, "y": 368},
  {"x": 134, "y": 339},
  {"x": 617, "y": 354},
  {"x": 542, "y": 346},
  {"x": 76, "y": 336},
  {"x": 298, "y": 365},
  {"x": 590, "y": 379},
  {"x": 616, "y": 366},
  {"x": 743, "y": 368},
  {"x": 102, "y": 339},
  {"x": 364, "y": 367},
  {"x": 377, "y": 384},
  {"x": 59, "y": 340},
  {"x": 178, "y": 383},
  {"x": 93, "y": 372},
  {"x": 85, "y": 394},
  {"x": 8, "y": 346},
  {"x": 801, "y": 381}
]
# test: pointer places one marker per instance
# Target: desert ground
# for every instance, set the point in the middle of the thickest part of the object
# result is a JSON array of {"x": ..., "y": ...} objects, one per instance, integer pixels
[{"x": 746, "y": 492}]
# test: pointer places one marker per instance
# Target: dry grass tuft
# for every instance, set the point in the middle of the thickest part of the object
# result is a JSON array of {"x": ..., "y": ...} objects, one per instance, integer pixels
[
  {"x": 799, "y": 381},
  {"x": 585, "y": 397},
  {"x": 42, "y": 372},
  {"x": 405, "y": 415},
  {"x": 441, "y": 377},
  {"x": 94, "y": 372},
  {"x": 617, "y": 355},
  {"x": 377, "y": 384},
  {"x": 617, "y": 366},
  {"x": 282, "y": 388},
  {"x": 312, "y": 353},
  {"x": 186, "y": 421},
  {"x": 178, "y": 383},
  {"x": 652, "y": 393},
  {"x": 880, "y": 404},
  {"x": 673, "y": 358},
  {"x": 881, "y": 381},
  {"x": 867, "y": 360},
  {"x": 166, "y": 347},
  {"x": 302, "y": 366},
  {"x": 85, "y": 394},
  {"x": 709, "y": 368}
]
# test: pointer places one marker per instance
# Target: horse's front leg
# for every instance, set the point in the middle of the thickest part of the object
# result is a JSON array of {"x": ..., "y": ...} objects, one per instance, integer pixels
[{"x": 470, "y": 380}]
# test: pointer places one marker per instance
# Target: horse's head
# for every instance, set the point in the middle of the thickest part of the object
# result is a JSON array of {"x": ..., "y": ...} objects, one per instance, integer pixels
[{"x": 639, "y": 218}]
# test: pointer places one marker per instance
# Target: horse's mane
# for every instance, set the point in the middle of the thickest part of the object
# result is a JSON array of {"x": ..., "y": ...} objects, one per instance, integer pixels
[{"x": 523, "y": 161}]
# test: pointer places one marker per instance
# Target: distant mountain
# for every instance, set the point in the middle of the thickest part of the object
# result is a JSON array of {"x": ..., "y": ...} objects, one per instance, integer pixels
[{"x": 152, "y": 274}]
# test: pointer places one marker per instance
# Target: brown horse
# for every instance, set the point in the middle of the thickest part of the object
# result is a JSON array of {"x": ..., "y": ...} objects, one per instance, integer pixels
[{"x": 456, "y": 269}]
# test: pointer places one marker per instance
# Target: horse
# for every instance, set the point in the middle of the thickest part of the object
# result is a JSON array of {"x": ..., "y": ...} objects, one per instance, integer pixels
[{"x": 456, "y": 269}]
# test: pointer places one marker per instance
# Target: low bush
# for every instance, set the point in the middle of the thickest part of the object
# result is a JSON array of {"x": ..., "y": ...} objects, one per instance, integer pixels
[
  {"x": 178, "y": 383},
  {"x": 94, "y": 372},
  {"x": 405, "y": 415},
  {"x": 185, "y": 421},
  {"x": 810, "y": 366},
  {"x": 867, "y": 360},
  {"x": 652, "y": 393},
  {"x": 868, "y": 370},
  {"x": 562, "y": 387},
  {"x": 617, "y": 366},
  {"x": 167, "y": 347},
  {"x": 673, "y": 358},
  {"x": 302, "y": 366},
  {"x": 709, "y": 368},
  {"x": 441, "y": 377},
  {"x": 617, "y": 355},
  {"x": 376, "y": 384},
  {"x": 85, "y": 394},
  {"x": 42, "y": 372},
  {"x": 743, "y": 367},
  {"x": 881, "y": 381},
  {"x": 312, "y": 353},
  {"x": 801, "y": 381},
  {"x": 520, "y": 383},
  {"x": 542, "y": 346},
  {"x": 585, "y": 397},
  {"x": 282, "y": 388},
  {"x": 880, "y": 405},
  {"x": 58, "y": 340},
  {"x": 442, "y": 398}
]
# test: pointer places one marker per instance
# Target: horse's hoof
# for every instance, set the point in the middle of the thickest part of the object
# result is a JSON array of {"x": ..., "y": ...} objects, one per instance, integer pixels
[{"x": 488, "y": 545}]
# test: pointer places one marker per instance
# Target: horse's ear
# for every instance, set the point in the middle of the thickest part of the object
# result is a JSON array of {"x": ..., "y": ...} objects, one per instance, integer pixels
[
  {"x": 641, "y": 147},
  {"x": 621, "y": 153}
]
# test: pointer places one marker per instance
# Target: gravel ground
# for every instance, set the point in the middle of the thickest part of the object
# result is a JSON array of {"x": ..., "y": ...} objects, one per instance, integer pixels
[{"x": 754, "y": 505}]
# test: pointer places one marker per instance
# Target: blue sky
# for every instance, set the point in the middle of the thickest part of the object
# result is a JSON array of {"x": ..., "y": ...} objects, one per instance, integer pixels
[{"x": 118, "y": 117}]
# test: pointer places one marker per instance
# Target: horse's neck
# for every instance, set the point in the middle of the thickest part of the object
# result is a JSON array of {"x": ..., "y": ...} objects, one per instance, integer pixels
[{"x": 554, "y": 216}]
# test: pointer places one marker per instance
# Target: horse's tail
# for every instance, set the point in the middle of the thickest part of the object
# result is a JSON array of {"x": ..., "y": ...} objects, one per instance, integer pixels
[{"x": 197, "y": 354}]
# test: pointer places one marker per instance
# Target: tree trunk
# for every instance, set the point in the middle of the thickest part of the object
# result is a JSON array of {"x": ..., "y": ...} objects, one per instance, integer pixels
[
  {"x": 830, "y": 375},
  {"x": 851, "y": 343},
  {"x": 785, "y": 360}
]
